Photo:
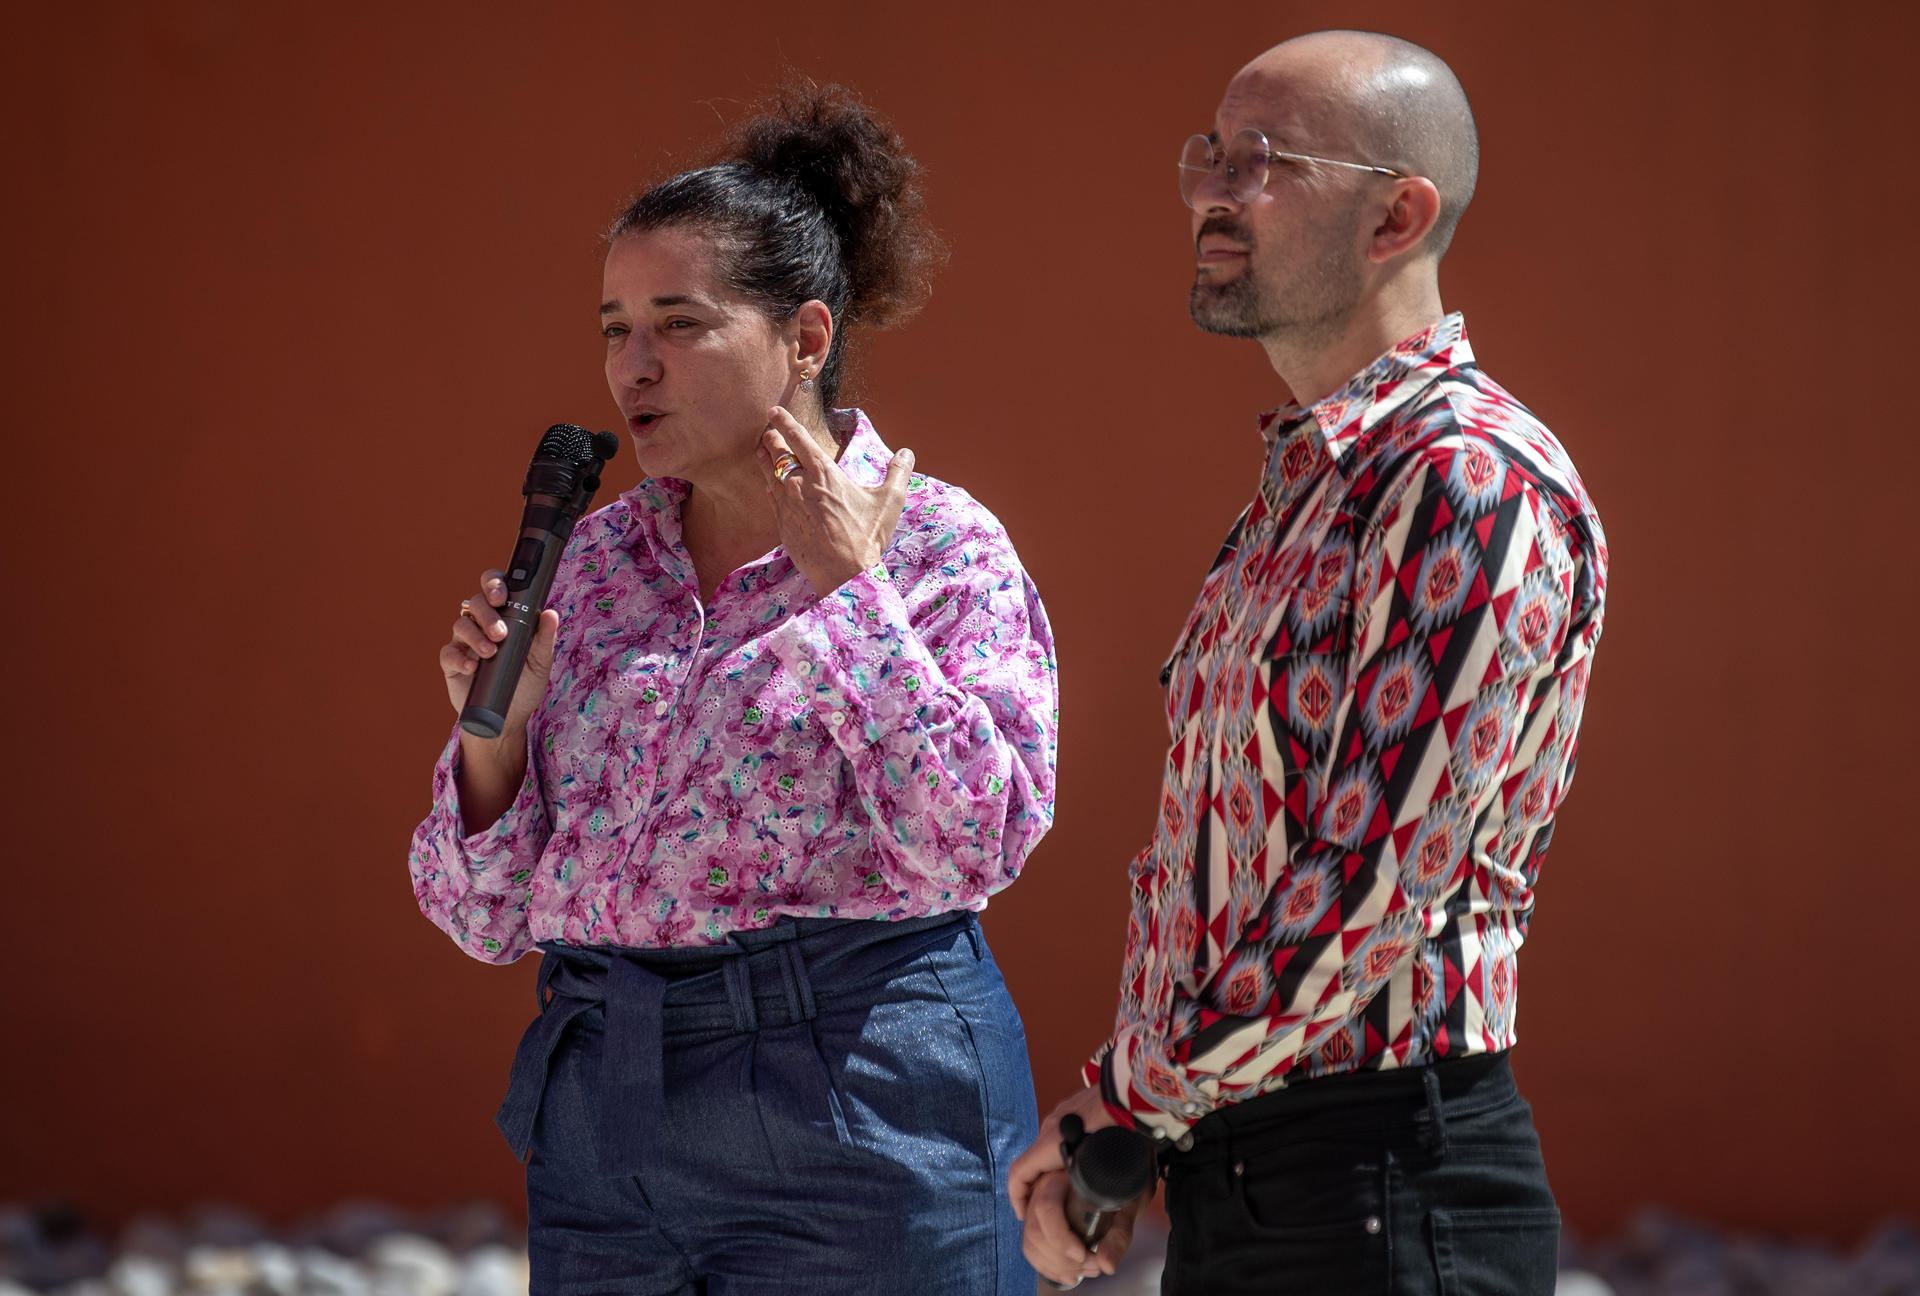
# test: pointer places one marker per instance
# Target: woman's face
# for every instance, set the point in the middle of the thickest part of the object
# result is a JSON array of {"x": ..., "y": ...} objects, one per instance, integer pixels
[{"x": 692, "y": 366}]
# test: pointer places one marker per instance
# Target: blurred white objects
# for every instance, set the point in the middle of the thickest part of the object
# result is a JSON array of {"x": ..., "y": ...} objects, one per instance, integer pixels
[
  {"x": 406, "y": 1264},
  {"x": 322, "y": 1273},
  {"x": 221, "y": 1271},
  {"x": 494, "y": 1271},
  {"x": 279, "y": 1271},
  {"x": 1575, "y": 1282},
  {"x": 142, "y": 1275}
]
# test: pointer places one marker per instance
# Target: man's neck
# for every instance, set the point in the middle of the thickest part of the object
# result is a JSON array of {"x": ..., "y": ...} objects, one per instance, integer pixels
[{"x": 1314, "y": 368}]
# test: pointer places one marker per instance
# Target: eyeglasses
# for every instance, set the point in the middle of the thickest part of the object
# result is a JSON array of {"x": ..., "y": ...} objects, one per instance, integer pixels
[{"x": 1247, "y": 157}]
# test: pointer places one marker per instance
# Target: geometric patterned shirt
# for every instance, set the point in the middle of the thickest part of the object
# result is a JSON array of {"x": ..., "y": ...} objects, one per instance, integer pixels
[{"x": 1373, "y": 710}]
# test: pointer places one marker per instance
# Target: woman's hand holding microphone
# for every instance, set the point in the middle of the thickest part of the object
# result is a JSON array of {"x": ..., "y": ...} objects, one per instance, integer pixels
[{"x": 492, "y": 769}]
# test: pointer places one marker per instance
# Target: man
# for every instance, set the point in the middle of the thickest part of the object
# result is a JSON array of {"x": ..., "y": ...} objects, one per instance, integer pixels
[{"x": 1373, "y": 705}]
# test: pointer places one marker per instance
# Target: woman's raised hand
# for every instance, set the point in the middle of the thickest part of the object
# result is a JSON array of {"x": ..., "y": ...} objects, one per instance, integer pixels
[
  {"x": 832, "y": 527},
  {"x": 477, "y": 634}
]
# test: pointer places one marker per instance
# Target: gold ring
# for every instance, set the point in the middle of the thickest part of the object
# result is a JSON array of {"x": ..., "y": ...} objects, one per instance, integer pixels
[{"x": 785, "y": 466}]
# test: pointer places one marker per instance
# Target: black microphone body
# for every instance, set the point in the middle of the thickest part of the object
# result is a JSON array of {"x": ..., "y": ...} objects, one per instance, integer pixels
[
  {"x": 1106, "y": 1170},
  {"x": 561, "y": 480}
]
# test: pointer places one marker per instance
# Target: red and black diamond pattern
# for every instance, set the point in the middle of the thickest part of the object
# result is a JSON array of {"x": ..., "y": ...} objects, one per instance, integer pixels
[{"x": 1373, "y": 709}]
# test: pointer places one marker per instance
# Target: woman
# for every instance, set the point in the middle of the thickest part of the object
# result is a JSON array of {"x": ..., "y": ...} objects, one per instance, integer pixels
[{"x": 788, "y": 722}]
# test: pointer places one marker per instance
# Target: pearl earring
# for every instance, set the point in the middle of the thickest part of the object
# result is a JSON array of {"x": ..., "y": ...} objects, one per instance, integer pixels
[{"x": 806, "y": 380}]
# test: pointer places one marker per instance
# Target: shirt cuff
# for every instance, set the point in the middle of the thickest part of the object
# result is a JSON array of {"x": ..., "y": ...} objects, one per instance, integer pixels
[
  {"x": 1111, "y": 1069},
  {"x": 496, "y": 854},
  {"x": 858, "y": 661}
]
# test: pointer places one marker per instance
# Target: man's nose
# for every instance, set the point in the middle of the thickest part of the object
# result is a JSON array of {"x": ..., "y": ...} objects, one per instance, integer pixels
[{"x": 1211, "y": 197}]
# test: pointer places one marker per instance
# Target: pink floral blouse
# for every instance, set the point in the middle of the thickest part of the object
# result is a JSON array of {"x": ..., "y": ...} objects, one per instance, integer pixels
[{"x": 884, "y": 752}]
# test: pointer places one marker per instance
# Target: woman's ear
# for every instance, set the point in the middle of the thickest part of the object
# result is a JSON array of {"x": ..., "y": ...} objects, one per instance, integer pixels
[{"x": 812, "y": 336}]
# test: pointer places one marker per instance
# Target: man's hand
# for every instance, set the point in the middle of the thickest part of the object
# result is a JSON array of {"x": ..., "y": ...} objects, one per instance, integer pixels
[
  {"x": 1037, "y": 1184},
  {"x": 1052, "y": 1247}
]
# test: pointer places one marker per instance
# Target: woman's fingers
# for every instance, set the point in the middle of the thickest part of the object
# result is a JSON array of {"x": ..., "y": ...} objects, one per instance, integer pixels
[
  {"x": 794, "y": 438},
  {"x": 456, "y": 660},
  {"x": 479, "y": 627},
  {"x": 540, "y": 651},
  {"x": 832, "y": 527},
  {"x": 899, "y": 473},
  {"x": 476, "y": 634},
  {"x": 893, "y": 491},
  {"x": 468, "y": 634},
  {"x": 778, "y": 460}
]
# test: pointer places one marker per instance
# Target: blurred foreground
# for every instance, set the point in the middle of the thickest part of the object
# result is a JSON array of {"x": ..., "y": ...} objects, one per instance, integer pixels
[{"x": 370, "y": 1249}]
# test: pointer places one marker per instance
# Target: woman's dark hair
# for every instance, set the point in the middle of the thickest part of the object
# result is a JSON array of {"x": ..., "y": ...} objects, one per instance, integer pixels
[{"x": 812, "y": 198}]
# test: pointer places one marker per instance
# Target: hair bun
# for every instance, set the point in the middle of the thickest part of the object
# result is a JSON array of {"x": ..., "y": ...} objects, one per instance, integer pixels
[{"x": 827, "y": 142}]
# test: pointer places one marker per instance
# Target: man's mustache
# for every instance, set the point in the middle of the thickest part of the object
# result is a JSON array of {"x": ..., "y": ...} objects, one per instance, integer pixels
[{"x": 1233, "y": 229}]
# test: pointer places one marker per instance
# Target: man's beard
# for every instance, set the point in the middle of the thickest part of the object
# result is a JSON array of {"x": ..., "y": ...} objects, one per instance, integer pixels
[
  {"x": 1231, "y": 309},
  {"x": 1313, "y": 308}
]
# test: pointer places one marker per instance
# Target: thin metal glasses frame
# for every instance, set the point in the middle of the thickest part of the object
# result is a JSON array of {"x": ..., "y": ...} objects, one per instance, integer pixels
[{"x": 1237, "y": 185}]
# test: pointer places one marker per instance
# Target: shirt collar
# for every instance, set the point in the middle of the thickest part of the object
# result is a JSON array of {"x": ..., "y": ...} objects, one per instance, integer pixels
[{"x": 1343, "y": 418}]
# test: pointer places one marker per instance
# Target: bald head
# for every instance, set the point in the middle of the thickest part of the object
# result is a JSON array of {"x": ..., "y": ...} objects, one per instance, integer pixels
[{"x": 1393, "y": 103}]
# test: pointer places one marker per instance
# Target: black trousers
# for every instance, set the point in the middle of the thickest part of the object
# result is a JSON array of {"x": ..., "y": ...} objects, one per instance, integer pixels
[{"x": 1424, "y": 1180}]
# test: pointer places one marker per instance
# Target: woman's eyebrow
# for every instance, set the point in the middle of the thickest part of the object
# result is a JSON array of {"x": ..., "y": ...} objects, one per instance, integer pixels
[{"x": 677, "y": 299}]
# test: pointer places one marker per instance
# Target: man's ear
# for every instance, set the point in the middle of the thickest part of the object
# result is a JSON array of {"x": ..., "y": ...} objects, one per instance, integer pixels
[{"x": 1413, "y": 205}]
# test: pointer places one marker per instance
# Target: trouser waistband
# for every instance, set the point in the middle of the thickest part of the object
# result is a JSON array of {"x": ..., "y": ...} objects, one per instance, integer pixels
[
  {"x": 1417, "y": 1100},
  {"x": 770, "y": 977}
]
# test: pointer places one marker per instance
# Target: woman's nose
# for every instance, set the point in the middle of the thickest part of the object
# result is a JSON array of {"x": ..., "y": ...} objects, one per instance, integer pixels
[{"x": 635, "y": 364}]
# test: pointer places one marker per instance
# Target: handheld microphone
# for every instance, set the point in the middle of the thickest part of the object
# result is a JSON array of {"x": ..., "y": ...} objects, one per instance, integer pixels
[
  {"x": 561, "y": 480},
  {"x": 1106, "y": 1169}
]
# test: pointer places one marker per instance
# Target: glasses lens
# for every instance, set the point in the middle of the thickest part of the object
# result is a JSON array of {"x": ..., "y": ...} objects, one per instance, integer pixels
[
  {"x": 1196, "y": 164},
  {"x": 1246, "y": 165}
]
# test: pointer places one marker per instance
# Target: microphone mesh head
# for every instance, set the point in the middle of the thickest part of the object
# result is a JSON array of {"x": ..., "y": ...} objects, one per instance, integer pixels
[
  {"x": 1112, "y": 1166},
  {"x": 558, "y": 461},
  {"x": 565, "y": 443}
]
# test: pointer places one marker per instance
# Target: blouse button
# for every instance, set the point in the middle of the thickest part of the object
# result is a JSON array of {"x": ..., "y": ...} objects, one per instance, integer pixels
[{"x": 837, "y": 719}]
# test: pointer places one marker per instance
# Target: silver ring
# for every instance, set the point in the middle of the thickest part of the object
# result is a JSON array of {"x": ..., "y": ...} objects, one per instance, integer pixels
[{"x": 785, "y": 466}]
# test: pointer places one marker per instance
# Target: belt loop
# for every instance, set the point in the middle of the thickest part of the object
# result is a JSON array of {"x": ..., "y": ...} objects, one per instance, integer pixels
[
  {"x": 549, "y": 964},
  {"x": 1433, "y": 1135},
  {"x": 799, "y": 986},
  {"x": 787, "y": 982},
  {"x": 739, "y": 983},
  {"x": 973, "y": 936}
]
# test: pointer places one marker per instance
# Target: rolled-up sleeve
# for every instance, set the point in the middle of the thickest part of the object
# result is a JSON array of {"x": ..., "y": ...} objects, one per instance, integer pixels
[{"x": 475, "y": 887}]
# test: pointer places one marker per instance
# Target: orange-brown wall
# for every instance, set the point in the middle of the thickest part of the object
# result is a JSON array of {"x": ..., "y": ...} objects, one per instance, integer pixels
[{"x": 292, "y": 289}]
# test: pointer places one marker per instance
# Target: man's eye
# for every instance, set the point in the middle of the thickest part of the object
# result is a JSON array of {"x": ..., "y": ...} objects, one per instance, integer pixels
[
  {"x": 611, "y": 331},
  {"x": 682, "y": 323}
]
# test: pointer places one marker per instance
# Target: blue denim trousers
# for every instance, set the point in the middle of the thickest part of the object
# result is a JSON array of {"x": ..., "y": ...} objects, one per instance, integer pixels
[
  {"x": 1420, "y": 1182},
  {"x": 825, "y": 1106}
]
